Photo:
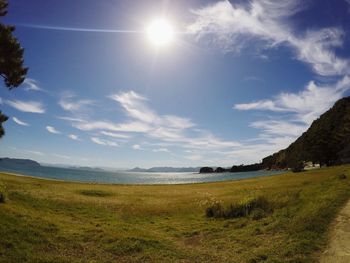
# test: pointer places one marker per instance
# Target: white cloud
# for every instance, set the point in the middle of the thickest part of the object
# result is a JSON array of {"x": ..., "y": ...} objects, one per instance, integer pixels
[
  {"x": 295, "y": 113},
  {"x": 72, "y": 119},
  {"x": 116, "y": 135},
  {"x": 232, "y": 26},
  {"x": 19, "y": 122},
  {"x": 107, "y": 125},
  {"x": 1, "y": 101},
  {"x": 168, "y": 128},
  {"x": 280, "y": 128},
  {"x": 34, "y": 152},
  {"x": 71, "y": 105},
  {"x": 142, "y": 119},
  {"x": 307, "y": 104},
  {"x": 52, "y": 130},
  {"x": 32, "y": 85},
  {"x": 104, "y": 142},
  {"x": 161, "y": 150},
  {"x": 61, "y": 156},
  {"x": 348, "y": 2},
  {"x": 135, "y": 106},
  {"x": 136, "y": 147},
  {"x": 194, "y": 157},
  {"x": 73, "y": 137},
  {"x": 26, "y": 106}
]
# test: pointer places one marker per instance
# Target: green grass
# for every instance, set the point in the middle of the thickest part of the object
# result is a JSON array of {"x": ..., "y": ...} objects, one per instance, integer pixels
[{"x": 53, "y": 221}]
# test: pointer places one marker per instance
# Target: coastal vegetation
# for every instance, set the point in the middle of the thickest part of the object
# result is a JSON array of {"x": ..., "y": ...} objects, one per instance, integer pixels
[
  {"x": 281, "y": 218},
  {"x": 326, "y": 143}
]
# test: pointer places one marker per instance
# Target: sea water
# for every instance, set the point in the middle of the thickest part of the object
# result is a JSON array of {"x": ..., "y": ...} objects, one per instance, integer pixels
[{"x": 122, "y": 177}]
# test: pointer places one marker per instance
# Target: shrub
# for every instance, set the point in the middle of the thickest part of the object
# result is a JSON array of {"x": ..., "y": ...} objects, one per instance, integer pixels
[
  {"x": 215, "y": 210},
  {"x": 259, "y": 206},
  {"x": 297, "y": 167},
  {"x": 2, "y": 193},
  {"x": 342, "y": 176}
]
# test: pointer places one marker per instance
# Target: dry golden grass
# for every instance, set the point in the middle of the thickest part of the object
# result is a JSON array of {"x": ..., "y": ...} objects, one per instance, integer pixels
[{"x": 54, "y": 221}]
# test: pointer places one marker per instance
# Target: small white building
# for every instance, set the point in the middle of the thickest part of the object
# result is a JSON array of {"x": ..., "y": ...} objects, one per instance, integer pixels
[{"x": 310, "y": 165}]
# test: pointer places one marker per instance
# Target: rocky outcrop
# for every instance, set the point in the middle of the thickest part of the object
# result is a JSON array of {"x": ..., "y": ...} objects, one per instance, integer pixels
[{"x": 206, "y": 170}]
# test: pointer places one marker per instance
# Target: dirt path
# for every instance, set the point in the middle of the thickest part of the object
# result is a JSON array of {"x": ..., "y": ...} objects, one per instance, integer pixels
[{"x": 338, "y": 250}]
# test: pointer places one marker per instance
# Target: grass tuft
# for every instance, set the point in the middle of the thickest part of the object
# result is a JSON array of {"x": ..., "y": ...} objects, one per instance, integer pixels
[
  {"x": 342, "y": 176},
  {"x": 259, "y": 206},
  {"x": 95, "y": 193}
]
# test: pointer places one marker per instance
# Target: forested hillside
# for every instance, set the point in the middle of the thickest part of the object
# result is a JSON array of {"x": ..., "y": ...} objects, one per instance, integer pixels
[{"x": 327, "y": 141}]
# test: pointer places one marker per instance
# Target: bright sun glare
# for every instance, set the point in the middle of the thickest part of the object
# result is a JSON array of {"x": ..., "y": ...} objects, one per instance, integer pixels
[{"x": 160, "y": 32}]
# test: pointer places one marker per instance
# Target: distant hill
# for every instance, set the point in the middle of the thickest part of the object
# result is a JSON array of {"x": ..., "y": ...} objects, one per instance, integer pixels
[
  {"x": 17, "y": 163},
  {"x": 326, "y": 142},
  {"x": 166, "y": 170}
]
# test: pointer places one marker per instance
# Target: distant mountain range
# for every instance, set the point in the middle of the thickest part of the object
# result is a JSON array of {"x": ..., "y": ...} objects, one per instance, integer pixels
[
  {"x": 166, "y": 170},
  {"x": 17, "y": 163},
  {"x": 12, "y": 163}
]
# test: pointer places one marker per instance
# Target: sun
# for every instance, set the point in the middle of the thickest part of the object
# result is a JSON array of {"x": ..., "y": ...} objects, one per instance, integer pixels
[{"x": 160, "y": 32}]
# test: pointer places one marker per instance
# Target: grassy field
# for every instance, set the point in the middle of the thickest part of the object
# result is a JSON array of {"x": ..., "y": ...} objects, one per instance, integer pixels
[{"x": 53, "y": 221}]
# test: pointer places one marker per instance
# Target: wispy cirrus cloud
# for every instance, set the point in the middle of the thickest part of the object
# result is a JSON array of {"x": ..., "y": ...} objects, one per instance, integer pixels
[
  {"x": 53, "y": 130},
  {"x": 62, "y": 156},
  {"x": 267, "y": 24},
  {"x": 161, "y": 150},
  {"x": 35, "y": 152},
  {"x": 233, "y": 27},
  {"x": 73, "y": 137},
  {"x": 135, "y": 106},
  {"x": 72, "y": 105},
  {"x": 116, "y": 135},
  {"x": 19, "y": 122},
  {"x": 100, "y": 141},
  {"x": 137, "y": 147},
  {"x": 26, "y": 106},
  {"x": 146, "y": 122},
  {"x": 307, "y": 104},
  {"x": 69, "y": 102},
  {"x": 137, "y": 127},
  {"x": 32, "y": 85},
  {"x": 295, "y": 111}
]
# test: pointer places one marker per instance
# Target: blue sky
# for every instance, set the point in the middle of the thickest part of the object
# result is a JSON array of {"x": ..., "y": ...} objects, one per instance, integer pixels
[{"x": 240, "y": 80}]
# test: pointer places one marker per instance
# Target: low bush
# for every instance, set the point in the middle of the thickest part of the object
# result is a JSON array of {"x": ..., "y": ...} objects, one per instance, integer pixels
[
  {"x": 297, "y": 167},
  {"x": 258, "y": 207},
  {"x": 215, "y": 210},
  {"x": 2, "y": 193},
  {"x": 342, "y": 176}
]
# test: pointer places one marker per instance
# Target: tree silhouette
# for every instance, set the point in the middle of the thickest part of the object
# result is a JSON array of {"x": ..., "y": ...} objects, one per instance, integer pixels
[{"x": 11, "y": 58}]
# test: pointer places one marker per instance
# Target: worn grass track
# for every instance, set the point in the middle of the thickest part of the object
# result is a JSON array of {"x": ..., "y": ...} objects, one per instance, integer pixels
[{"x": 53, "y": 221}]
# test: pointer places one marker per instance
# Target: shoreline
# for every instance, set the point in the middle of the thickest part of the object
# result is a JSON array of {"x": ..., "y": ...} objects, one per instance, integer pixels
[{"x": 137, "y": 184}]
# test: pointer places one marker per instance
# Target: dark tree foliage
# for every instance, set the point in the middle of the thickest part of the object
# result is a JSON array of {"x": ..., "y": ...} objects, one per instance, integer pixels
[
  {"x": 246, "y": 168},
  {"x": 3, "y": 118},
  {"x": 11, "y": 58},
  {"x": 326, "y": 142},
  {"x": 11, "y": 54},
  {"x": 205, "y": 170}
]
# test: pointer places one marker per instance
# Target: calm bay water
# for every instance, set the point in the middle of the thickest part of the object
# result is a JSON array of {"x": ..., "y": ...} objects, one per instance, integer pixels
[{"x": 108, "y": 177}]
